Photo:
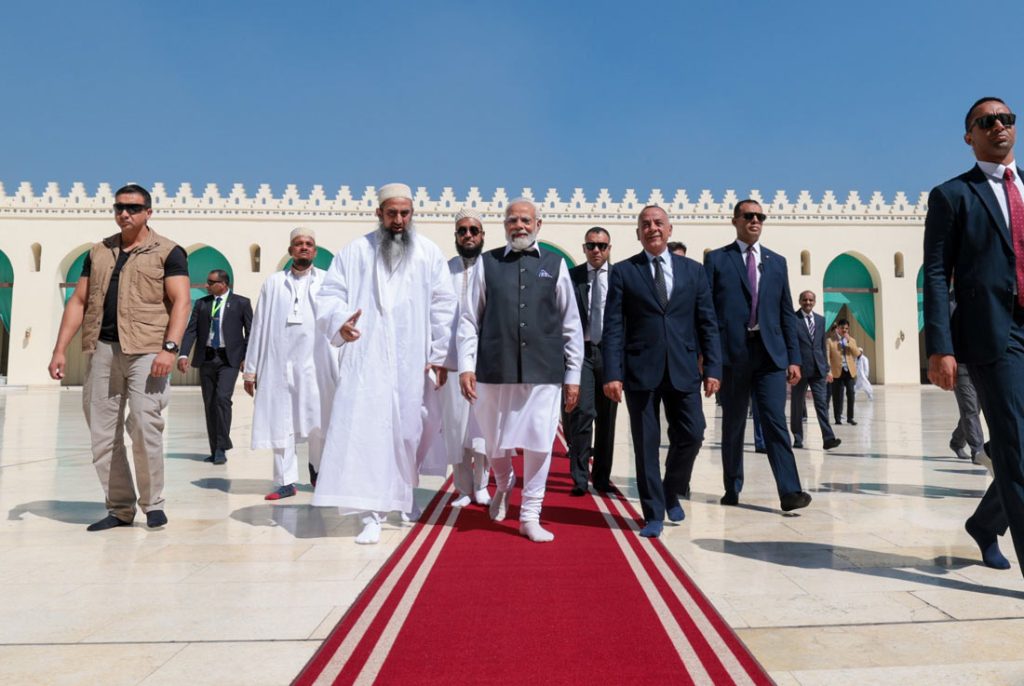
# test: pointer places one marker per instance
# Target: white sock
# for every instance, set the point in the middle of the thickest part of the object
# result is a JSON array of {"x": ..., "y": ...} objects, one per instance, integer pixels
[
  {"x": 482, "y": 497},
  {"x": 371, "y": 530},
  {"x": 461, "y": 501},
  {"x": 499, "y": 506},
  {"x": 535, "y": 532}
]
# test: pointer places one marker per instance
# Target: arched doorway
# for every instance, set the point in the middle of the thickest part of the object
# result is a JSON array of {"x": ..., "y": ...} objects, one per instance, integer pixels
[
  {"x": 850, "y": 293},
  {"x": 922, "y": 355},
  {"x": 6, "y": 299},
  {"x": 201, "y": 261},
  {"x": 558, "y": 251},
  {"x": 74, "y": 368},
  {"x": 323, "y": 259}
]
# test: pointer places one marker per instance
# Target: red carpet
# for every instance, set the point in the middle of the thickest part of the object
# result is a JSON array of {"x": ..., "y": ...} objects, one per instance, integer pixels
[{"x": 464, "y": 599}]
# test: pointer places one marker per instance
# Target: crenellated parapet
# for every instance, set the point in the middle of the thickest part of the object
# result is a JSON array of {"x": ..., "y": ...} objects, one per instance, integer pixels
[{"x": 264, "y": 202}]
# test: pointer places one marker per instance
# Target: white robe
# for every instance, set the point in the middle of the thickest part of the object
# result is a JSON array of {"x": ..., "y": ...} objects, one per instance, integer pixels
[
  {"x": 520, "y": 415},
  {"x": 280, "y": 354},
  {"x": 373, "y": 436},
  {"x": 461, "y": 430}
]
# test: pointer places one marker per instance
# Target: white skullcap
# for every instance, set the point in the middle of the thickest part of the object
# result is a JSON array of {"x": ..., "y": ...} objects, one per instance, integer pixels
[
  {"x": 301, "y": 231},
  {"x": 393, "y": 190},
  {"x": 469, "y": 213}
]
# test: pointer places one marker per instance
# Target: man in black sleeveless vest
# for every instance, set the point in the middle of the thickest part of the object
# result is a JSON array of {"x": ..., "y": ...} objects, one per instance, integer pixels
[{"x": 520, "y": 338}]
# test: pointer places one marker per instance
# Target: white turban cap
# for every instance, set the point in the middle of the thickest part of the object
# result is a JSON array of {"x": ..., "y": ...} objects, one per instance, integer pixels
[
  {"x": 393, "y": 190},
  {"x": 301, "y": 231},
  {"x": 468, "y": 213}
]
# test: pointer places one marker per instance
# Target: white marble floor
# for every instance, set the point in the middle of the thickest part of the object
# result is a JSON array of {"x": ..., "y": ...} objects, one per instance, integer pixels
[{"x": 875, "y": 583}]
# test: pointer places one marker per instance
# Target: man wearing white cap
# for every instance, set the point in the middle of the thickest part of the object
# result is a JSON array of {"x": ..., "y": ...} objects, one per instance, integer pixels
[
  {"x": 520, "y": 343},
  {"x": 279, "y": 370},
  {"x": 387, "y": 303},
  {"x": 464, "y": 442}
]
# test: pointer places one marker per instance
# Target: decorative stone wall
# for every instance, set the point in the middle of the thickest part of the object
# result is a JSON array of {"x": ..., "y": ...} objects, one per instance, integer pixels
[{"x": 42, "y": 234}]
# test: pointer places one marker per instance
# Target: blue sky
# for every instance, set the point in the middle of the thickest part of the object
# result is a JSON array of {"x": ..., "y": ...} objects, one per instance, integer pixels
[{"x": 719, "y": 95}]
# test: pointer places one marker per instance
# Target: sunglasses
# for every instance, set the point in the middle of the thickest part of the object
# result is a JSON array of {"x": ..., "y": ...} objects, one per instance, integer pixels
[
  {"x": 989, "y": 120},
  {"x": 471, "y": 230},
  {"x": 749, "y": 216},
  {"x": 130, "y": 208},
  {"x": 590, "y": 245}
]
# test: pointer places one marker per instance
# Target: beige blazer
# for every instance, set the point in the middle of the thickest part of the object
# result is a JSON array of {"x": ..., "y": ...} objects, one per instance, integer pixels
[{"x": 835, "y": 356}]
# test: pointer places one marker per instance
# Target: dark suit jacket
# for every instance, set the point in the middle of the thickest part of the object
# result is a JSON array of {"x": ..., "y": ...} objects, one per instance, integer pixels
[
  {"x": 581, "y": 287},
  {"x": 727, "y": 276},
  {"x": 813, "y": 354},
  {"x": 236, "y": 320},
  {"x": 966, "y": 237},
  {"x": 640, "y": 338}
]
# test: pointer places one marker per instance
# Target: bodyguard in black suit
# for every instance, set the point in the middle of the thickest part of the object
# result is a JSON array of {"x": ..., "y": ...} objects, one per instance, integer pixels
[
  {"x": 219, "y": 326},
  {"x": 593, "y": 420},
  {"x": 750, "y": 288},
  {"x": 658, "y": 316},
  {"x": 814, "y": 372},
  {"x": 974, "y": 241}
]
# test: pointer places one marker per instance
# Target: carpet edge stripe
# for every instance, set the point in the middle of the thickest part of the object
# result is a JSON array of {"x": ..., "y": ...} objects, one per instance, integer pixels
[
  {"x": 371, "y": 669},
  {"x": 687, "y": 657},
  {"x": 690, "y": 612},
  {"x": 313, "y": 670},
  {"x": 686, "y": 590}
]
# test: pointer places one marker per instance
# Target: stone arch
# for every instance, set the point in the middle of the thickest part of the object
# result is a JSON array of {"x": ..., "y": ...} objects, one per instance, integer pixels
[
  {"x": 6, "y": 300},
  {"x": 558, "y": 251},
  {"x": 69, "y": 271},
  {"x": 323, "y": 259},
  {"x": 850, "y": 290},
  {"x": 201, "y": 260}
]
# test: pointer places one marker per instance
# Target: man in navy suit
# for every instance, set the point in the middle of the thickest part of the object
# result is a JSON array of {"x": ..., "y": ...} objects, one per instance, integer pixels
[
  {"x": 814, "y": 372},
  {"x": 593, "y": 420},
  {"x": 974, "y": 241},
  {"x": 658, "y": 315},
  {"x": 750, "y": 288},
  {"x": 219, "y": 326}
]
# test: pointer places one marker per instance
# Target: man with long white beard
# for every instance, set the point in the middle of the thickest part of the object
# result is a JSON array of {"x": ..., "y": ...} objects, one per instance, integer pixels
[
  {"x": 465, "y": 446},
  {"x": 387, "y": 302},
  {"x": 520, "y": 337},
  {"x": 279, "y": 370}
]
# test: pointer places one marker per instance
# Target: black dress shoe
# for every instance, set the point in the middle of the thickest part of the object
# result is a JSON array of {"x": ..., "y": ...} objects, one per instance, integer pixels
[
  {"x": 798, "y": 444},
  {"x": 219, "y": 457},
  {"x": 794, "y": 501},
  {"x": 837, "y": 422},
  {"x": 763, "y": 451},
  {"x": 208, "y": 458},
  {"x": 108, "y": 522},
  {"x": 577, "y": 491},
  {"x": 603, "y": 488},
  {"x": 730, "y": 499},
  {"x": 155, "y": 519},
  {"x": 832, "y": 443},
  {"x": 312, "y": 476},
  {"x": 851, "y": 422}
]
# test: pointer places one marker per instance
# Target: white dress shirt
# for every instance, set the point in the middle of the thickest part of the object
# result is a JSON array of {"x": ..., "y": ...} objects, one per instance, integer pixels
[
  {"x": 994, "y": 174},
  {"x": 666, "y": 267}
]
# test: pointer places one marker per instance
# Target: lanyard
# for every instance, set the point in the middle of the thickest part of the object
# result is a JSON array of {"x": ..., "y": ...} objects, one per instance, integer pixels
[{"x": 216, "y": 308}]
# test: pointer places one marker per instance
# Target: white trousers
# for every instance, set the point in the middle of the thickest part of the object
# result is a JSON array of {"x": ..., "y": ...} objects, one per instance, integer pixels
[
  {"x": 535, "y": 476},
  {"x": 286, "y": 462},
  {"x": 470, "y": 475}
]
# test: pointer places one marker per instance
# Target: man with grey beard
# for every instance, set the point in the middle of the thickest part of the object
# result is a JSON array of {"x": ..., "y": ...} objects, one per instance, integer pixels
[
  {"x": 466, "y": 450},
  {"x": 388, "y": 305}
]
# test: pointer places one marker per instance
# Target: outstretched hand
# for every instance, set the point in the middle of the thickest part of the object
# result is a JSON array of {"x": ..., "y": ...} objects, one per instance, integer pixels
[{"x": 348, "y": 331}]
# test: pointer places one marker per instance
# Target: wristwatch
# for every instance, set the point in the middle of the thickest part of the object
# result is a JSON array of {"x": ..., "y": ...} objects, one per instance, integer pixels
[{"x": 170, "y": 346}]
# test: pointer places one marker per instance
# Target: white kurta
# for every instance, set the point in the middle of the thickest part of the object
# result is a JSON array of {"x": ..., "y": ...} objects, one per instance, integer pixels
[
  {"x": 461, "y": 430},
  {"x": 374, "y": 432},
  {"x": 280, "y": 354},
  {"x": 520, "y": 415}
]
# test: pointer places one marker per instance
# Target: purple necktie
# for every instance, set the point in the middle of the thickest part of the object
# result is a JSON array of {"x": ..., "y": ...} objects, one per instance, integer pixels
[{"x": 752, "y": 278}]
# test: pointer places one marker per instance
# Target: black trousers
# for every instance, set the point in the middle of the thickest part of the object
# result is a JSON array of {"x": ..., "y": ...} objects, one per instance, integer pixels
[
  {"x": 217, "y": 379},
  {"x": 840, "y": 383},
  {"x": 592, "y": 422}
]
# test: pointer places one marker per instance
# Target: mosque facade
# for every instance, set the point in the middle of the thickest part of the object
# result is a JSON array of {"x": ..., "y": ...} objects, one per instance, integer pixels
[{"x": 862, "y": 258}]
